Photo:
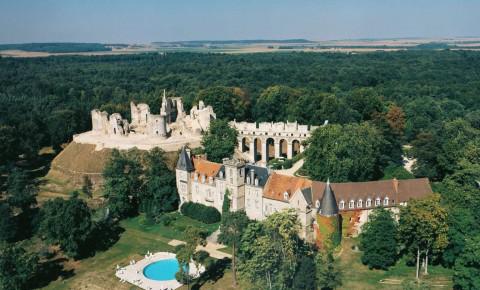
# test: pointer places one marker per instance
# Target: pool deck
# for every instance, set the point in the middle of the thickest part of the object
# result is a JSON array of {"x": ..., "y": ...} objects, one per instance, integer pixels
[{"x": 134, "y": 273}]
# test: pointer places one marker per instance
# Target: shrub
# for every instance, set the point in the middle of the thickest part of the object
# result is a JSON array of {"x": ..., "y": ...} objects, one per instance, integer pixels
[
  {"x": 200, "y": 212},
  {"x": 167, "y": 219}
]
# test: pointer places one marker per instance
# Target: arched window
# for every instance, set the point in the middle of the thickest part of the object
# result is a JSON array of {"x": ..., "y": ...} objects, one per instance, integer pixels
[
  {"x": 351, "y": 204},
  {"x": 377, "y": 201},
  {"x": 368, "y": 203},
  {"x": 359, "y": 203},
  {"x": 248, "y": 179},
  {"x": 385, "y": 201},
  {"x": 342, "y": 205}
]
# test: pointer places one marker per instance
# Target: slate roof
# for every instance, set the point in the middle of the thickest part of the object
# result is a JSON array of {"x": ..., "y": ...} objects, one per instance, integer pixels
[
  {"x": 307, "y": 194},
  {"x": 328, "y": 204},
  {"x": 184, "y": 162},
  {"x": 397, "y": 191},
  {"x": 260, "y": 172}
]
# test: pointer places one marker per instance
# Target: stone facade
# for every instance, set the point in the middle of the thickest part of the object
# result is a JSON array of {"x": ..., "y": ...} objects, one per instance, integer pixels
[
  {"x": 264, "y": 141},
  {"x": 260, "y": 192},
  {"x": 170, "y": 130}
]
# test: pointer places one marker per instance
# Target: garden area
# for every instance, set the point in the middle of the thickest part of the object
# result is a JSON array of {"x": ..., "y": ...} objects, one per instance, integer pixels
[{"x": 139, "y": 236}]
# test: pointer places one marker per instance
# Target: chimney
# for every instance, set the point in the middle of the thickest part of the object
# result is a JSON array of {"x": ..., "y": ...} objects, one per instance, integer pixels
[{"x": 395, "y": 184}]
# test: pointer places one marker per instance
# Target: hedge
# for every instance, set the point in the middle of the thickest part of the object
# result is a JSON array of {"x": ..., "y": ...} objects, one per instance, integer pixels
[{"x": 200, "y": 212}]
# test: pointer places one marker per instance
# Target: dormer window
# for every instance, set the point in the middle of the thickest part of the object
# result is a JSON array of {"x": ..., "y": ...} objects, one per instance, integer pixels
[
  {"x": 351, "y": 204},
  {"x": 203, "y": 178},
  {"x": 369, "y": 203},
  {"x": 221, "y": 174},
  {"x": 248, "y": 180},
  {"x": 210, "y": 180},
  {"x": 385, "y": 201},
  {"x": 285, "y": 195},
  {"x": 342, "y": 205},
  {"x": 359, "y": 203},
  {"x": 377, "y": 201},
  {"x": 256, "y": 181},
  {"x": 317, "y": 204}
]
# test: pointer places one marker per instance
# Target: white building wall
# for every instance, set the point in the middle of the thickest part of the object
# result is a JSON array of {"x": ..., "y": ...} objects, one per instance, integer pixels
[{"x": 254, "y": 202}]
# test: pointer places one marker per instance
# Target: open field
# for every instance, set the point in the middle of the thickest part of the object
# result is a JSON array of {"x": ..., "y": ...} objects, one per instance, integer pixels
[{"x": 258, "y": 46}]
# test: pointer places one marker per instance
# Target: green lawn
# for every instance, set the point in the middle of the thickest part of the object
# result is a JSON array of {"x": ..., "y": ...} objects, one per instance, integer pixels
[
  {"x": 358, "y": 276},
  {"x": 98, "y": 272}
]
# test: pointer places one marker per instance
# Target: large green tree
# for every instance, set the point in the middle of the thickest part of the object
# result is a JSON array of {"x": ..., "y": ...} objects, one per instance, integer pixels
[
  {"x": 227, "y": 102},
  {"x": 270, "y": 252},
  {"x": 122, "y": 183},
  {"x": 159, "y": 194},
  {"x": 7, "y": 223},
  {"x": 220, "y": 140},
  {"x": 423, "y": 228},
  {"x": 67, "y": 223},
  {"x": 467, "y": 266},
  {"x": 344, "y": 153},
  {"x": 17, "y": 267},
  {"x": 193, "y": 237},
  {"x": 231, "y": 229},
  {"x": 329, "y": 274},
  {"x": 21, "y": 191},
  {"x": 378, "y": 240}
]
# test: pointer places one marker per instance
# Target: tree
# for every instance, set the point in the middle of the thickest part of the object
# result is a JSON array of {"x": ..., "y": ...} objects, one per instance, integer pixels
[
  {"x": 423, "y": 228},
  {"x": 426, "y": 149},
  {"x": 231, "y": 230},
  {"x": 329, "y": 275},
  {"x": 21, "y": 192},
  {"x": 62, "y": 124},
  {"x": 87, "y": 186},
  {"x": 378, "y": 240},
  {"x": 122, "y": 183},
  {"x": 467, "y": 266},
  {"x": 186, "y": 253},
  {"x": 343, "y": 153},
  {"x": 228, "y": 102},
  {"x": 17, "y": 267},
  {"x": 226, "y": 202},
  {"x": 7, "y": 223},
  {"x": 273, "y": 102},
  {"x": 9, "y": 149},
  {"x": 220, "y": 141},
  {"x": 67, "y": 223},
  {"x": 269, "y": 251},
  {"x": 305, "y": 278},
  {"x": 159, "y": 194}
]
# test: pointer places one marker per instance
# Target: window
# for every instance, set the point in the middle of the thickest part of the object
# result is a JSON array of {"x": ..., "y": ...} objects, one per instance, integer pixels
[
  {"x": 359, "y": 203},
  {"x": 342, "y": 204},
  {"x": 248, "y": 179},
  {"x": 317, "y": 204},
  {"x": 285, "y": 195},
  {"x": 377, "y": 201},
  {"x": 221, "y": 174},
  {"x": 351, "y": 204},
  {"x": 368, "y": 203},
  {"x": 385, "y": 201}
]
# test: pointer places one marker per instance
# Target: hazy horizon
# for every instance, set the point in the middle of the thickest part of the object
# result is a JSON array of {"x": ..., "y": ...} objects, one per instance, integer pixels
[{"x": 128, "y": 21}]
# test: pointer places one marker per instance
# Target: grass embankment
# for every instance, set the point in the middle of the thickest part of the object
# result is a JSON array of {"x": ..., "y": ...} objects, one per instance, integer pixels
[{"x": 98, "y": 272}]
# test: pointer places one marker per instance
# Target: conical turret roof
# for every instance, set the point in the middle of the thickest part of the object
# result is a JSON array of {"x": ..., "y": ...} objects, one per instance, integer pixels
[
  {"x": 328, "y": 204},
  {"x": 184, "y": 162}
]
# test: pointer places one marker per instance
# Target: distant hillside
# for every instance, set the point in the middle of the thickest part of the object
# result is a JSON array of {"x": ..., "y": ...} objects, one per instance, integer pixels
[
  {"x": 56, "y": 47},
  {"x": 200, "y": 43}
]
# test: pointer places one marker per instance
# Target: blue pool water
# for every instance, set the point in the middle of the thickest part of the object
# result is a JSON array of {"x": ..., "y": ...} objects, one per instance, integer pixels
[{"x": 162, "y": 270}]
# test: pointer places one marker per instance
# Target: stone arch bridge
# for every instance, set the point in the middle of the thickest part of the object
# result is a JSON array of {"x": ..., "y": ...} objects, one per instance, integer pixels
[{"x": 265, "y": 141}]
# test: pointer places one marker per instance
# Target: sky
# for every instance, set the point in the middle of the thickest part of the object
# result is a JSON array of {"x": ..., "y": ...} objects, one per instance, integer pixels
[{"x": 145, "y": 21}]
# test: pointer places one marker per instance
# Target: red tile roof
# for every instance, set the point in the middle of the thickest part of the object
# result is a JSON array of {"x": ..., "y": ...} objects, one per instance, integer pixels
[
  {"x": 278, "y": 184},
  {"x": 207, "y": 168}
]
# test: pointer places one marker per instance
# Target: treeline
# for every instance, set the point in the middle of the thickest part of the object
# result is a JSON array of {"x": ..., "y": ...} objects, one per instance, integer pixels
[{"x": 57, "y": 47}]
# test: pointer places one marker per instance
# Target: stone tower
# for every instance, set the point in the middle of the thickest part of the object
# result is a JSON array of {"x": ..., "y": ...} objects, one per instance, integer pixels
[
  {"x": 183, "y": 172},
  {"x": 235, "y": 182},
  {"x": 329, "y": 220}
]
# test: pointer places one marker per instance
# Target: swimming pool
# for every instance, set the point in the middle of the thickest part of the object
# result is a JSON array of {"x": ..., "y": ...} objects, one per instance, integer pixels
[{"x": 162, "y": 270}]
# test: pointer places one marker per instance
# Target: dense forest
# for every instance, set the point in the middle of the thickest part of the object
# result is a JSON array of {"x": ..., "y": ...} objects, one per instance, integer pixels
[{"x": 376, "y": 103}]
